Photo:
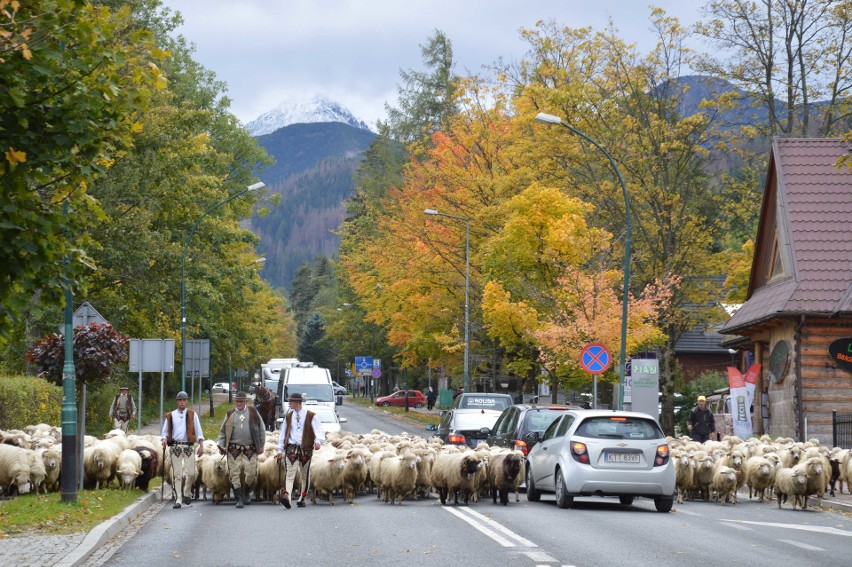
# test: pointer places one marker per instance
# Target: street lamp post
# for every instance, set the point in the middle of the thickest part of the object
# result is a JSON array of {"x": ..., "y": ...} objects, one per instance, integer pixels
[
  {"x": 466, "y": 292},
  {"x": 551, "y": 119},
  {"x": 253, "y": 187}
]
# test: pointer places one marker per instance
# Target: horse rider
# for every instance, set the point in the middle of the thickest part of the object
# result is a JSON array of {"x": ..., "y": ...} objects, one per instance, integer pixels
[
  {"x": 123, "y": 409},
  {"x": 302, "y": 434},
  {"x": 181, "y": 430},
  {"x": 241, "y": 437}
]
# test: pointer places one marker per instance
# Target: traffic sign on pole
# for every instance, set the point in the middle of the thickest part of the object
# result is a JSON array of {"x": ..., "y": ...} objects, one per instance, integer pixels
[
  {"x": 377, "y": 373},
  {"x": 595, "y": 358}
]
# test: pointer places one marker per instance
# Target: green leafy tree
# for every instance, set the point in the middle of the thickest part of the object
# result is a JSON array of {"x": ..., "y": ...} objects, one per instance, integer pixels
[{"x": 74, "y": 80}]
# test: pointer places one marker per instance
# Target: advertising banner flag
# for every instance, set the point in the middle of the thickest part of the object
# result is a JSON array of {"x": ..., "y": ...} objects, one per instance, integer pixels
[{"x": 742, "y": 398}]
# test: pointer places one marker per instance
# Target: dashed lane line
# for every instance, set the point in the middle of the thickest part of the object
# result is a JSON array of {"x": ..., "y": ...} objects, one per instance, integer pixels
[
  {"x": 801, "y": 545},
  {"x": 499, "y": 527},
  {"x": 816, "y": 529}
]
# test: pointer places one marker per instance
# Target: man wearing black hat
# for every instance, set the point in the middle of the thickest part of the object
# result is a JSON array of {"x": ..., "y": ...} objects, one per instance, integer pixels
[
  {"x": 123, "y": 409},
  {"x": 182, "y": 430},
  {"x": 302, "y": 435},
  {"x": 242, "y": 436}
]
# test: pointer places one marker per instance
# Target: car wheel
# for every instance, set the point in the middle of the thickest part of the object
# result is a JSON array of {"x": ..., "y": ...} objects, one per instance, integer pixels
[
  {"x": 626, "y": 500},
  {"x": 533, "y": 495},
  {"x": 663, "y": 504},
  {"x": 418, "y": 405},
  {"x": 385, "y": 404},
  {"x": 562, "y": 498}
]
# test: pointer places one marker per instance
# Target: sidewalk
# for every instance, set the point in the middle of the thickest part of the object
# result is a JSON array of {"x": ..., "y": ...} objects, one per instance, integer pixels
[{"x": 72, "y": 550}]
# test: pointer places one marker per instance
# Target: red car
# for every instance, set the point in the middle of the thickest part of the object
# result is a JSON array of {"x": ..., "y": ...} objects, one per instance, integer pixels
[{"x": 416, "y": 399}]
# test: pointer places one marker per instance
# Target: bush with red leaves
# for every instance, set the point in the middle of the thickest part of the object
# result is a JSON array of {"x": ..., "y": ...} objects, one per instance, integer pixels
[{"x": 97, "y": 347}]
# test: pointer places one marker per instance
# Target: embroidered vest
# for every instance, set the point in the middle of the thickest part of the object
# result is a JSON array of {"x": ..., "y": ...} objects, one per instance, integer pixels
[
  {"x": 190, "y": 427},
  {"x": 254, "y": 420},
  {"x": 308, "y": 435}
]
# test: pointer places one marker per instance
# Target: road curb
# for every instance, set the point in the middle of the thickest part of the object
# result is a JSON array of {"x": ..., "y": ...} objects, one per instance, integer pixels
[{"x": 105, "y": 531}]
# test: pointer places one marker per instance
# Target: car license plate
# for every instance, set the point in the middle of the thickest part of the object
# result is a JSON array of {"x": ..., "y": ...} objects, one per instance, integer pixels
[
  {"x": 475, "y": 442},
  {"x": 630, "y": 458}
]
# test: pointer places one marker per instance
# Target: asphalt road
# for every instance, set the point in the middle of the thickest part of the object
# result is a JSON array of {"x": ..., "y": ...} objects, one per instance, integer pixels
[{"x": 596, "y": 531}]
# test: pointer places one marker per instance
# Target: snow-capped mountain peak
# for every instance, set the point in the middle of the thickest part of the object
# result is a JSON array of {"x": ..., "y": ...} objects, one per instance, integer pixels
[{"x": 317, "y": 109}]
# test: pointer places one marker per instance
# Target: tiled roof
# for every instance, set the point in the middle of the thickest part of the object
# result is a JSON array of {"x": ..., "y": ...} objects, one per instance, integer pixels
[{"x": 813, "y": 203}]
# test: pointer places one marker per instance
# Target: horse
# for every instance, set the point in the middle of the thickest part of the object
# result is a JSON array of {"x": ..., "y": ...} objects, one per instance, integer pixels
[{"x": 264, "y": 401}]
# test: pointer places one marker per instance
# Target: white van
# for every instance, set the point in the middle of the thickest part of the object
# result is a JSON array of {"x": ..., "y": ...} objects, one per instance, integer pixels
[
  {"x": 313, "y": 382},
  {"x": 271, "y": 372}
]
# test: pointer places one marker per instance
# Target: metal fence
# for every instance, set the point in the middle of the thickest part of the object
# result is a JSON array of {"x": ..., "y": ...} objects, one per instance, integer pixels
[{"x": 841, "y": 429}]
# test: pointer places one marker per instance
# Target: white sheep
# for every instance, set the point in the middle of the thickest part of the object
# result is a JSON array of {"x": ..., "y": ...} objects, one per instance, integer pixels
[
  {"x": 128, "y": 467},
  {"x": 400, "y": 476},
  {"x": 355, "y": 471},
  {"x": 37, "y": 472},
  {"x": 14, "y": 470},
  {"x": 684, "y": 475},
  {"x": 455, "y": 472},
  {"x": 725, "y": 484},
  {"x": 326, "y": 473},
  {"x": 376, "y": 464},
  {"x": 99, "y": 463},
  {"x": 52, "y": 459},
  {"x": 703, "y": 474},
  {"x": 791, "y": 483},
  {"x": 214, "y": 476},
  {"x": 759, "y": 474},
  {"x": 813, "y": 470},
  {"x": 424, "y": 470}
]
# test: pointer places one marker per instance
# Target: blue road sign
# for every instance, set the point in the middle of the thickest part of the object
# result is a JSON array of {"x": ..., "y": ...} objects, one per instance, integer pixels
[
  {"x": 595, "y": 358},
  {"x": 364, "y": 365}
]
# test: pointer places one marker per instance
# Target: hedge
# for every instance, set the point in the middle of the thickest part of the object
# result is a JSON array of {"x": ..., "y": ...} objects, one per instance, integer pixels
[{"x": 27, "y": 400}]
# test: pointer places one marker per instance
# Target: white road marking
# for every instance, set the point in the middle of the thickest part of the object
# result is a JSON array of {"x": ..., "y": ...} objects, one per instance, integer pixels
[
  {"x": 687, "y": 512},
  {"x": 539, "y": 556},
  {"x": 499, "y": 527},
  {"x": 739, "y": 526},
  {"x": 817, "y": 529},
  {"x": 802, "y": 545},
  {"x": 502, "y": 541}
]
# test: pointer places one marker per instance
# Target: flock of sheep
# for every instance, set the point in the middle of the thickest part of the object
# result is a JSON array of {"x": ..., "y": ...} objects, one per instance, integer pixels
[
  {"x": 780, "y": 468},
  {"x": 397, "y": 467}
]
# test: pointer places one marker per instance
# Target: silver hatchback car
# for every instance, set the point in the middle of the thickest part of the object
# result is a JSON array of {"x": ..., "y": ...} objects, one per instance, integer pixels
[{"x": 602, "y": 453}]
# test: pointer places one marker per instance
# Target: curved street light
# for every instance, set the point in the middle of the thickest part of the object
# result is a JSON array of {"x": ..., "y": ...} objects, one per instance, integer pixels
[
  {"x": 551, "y": 119},
  {"x": 466, "y": 292},
  {"x": 253, "y": 187}
]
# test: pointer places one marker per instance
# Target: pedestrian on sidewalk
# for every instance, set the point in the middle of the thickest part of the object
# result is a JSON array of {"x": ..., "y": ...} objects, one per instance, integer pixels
[
  {"x": 123, "y": 409},
  {"x": 181, "y": 431},
  {"x": 430, "y": 398},
  {"x": 302, "y": 435},
  {"x": 242, "y": 436}
]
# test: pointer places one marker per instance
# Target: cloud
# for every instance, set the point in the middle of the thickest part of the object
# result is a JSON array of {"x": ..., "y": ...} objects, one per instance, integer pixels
[{"x": 352, "y": 51}]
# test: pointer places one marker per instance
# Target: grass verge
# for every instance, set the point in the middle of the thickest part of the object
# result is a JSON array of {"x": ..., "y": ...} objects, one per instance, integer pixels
[{"x": 46, "y": 514}]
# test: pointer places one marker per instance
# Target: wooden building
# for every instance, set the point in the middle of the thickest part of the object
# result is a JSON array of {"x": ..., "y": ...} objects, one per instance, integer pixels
[{"x": 799, "y": 299}]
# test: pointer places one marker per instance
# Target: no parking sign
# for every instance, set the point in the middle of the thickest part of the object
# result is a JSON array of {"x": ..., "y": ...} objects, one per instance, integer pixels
[{"x": 595, "y": 358}]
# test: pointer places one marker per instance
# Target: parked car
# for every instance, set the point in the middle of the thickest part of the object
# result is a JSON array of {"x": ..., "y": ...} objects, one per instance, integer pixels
[
  {"x": 338, "y": 389},
  {"x": 466, "y": 426},
  {"x": 515, "y": 426},
  {"x": 222, "y": 388},
  {"x": 416, "y": 399},
  {"x": 326, "y": 414},
  {"x": 602, "y": 453},
  {"x": 477, "y": 400}
]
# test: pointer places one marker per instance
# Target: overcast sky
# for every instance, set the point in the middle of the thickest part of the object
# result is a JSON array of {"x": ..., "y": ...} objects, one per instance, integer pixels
[{"x": 269, "y": 51}]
